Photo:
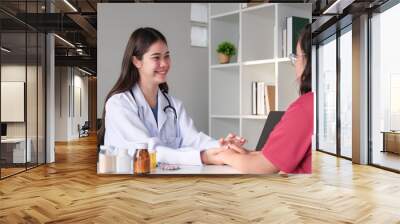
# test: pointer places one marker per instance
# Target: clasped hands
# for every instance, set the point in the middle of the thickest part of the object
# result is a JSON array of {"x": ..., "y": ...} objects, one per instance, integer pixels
[{"x": 230, "y": 144}]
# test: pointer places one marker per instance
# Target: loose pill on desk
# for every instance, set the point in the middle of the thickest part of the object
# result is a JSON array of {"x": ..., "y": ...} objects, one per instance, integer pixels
[{"x": 166, "y": 166}]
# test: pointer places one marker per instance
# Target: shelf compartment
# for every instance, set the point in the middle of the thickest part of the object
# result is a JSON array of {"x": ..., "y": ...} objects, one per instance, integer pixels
[
  {"x": 259, "y": 72},
  {"x": 218, "y": 8},
  {"x": 287, "y": 85},
  {"x": 225, "y": 91},
  {"x": 251, "y": 130},
  {"x": 221, "y": 127},
  {"x": 288, "y": 10},
  {"x": 258, "y": 33},
  {"x": 225, "y": 28}
]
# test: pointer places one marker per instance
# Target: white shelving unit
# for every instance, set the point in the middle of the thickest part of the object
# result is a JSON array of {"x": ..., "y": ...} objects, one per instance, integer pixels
[{"x": 257, "y": 34}]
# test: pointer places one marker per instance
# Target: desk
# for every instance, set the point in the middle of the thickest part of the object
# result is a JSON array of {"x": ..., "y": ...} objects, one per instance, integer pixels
[
  {"x": 190, "y": 170},
  {"x": 391, "y": 141},
  {"x": 16, "y": 147}
]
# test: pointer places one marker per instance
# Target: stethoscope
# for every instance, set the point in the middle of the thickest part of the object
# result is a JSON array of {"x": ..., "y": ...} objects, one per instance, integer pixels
[
  {"x": 170, "y": 141},
  {"x": 168, "y": 107}
]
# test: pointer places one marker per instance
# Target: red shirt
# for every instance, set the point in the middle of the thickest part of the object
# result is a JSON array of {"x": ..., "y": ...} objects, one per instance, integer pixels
[{"x": 289, "y": 144}]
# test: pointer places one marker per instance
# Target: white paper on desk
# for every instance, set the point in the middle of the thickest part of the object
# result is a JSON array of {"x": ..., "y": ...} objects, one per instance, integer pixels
[{"x": 196, "y": 170}]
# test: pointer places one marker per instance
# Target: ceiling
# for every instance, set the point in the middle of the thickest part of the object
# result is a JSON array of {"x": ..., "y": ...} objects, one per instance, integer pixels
[{"x": 77, "y": 23}]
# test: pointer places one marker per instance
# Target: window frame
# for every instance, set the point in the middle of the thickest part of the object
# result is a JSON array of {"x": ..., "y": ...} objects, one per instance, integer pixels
[
  {"x": 337, "y": 34},
  {"x": 381, "y": 9}
]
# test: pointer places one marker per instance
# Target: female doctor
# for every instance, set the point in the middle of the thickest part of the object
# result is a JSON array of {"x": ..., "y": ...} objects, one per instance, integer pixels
[{"x": 139, "y": 109}]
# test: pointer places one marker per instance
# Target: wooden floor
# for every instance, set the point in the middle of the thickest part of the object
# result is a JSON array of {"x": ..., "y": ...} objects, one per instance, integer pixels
[
  {"x": 69, "y": 191},
  {"x": 5, "y": 172},
  {"x": 10, "y": 171}
]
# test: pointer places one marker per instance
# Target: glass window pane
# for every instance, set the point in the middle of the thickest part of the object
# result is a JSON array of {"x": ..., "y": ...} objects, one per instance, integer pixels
[
  {"x": 346, "y": 93},
  {"x": 32, "y": 86},
  {"x": 385, "y": 89},
  {"x": 13, "y": 87},
  {"x": 31, "y": 101},
  {"x": 23, "y": 90},
  {"x": 327, "y": 96},
  {"x": 41, "y": 98}
]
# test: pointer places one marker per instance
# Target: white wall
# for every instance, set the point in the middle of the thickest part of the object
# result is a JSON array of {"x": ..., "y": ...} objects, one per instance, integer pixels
[
  {"x": 17, "y": 73},
  {"x": 188, "y": 77},
  {"x": 80, "y": 82},
  {"x": 66, "y": 121},
  {"x": 61, "y": 103}
]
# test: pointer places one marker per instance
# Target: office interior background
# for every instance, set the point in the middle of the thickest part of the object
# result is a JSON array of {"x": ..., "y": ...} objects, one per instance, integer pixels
[
  {"x": 53, "y": 59},
  {"x": 52, "y": 90}
]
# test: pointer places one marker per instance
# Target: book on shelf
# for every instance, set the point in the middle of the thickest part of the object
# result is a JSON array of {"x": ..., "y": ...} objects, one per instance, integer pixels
[
  {"x": 284, "y": 44},
  {"x": 263, "y": 98},
  {"x": 270, "y": 98},
  {"x": 260, "y": 98},
  {"x": 294, "y": 25},
  {"x": 254, "y": 98}
]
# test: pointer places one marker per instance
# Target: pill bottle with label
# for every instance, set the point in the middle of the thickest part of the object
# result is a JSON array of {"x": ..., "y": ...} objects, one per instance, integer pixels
[{"x": 141, "y": 159}]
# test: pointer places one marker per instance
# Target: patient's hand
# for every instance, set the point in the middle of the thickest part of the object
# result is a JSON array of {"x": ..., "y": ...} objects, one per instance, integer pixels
[
  {"x": 237, "y": 149},
  {"x": 217, "y": 155},
  {"x": 232, "y": 139},
  {"x": 210, "y": 156},
  {"x": 225, "y": 154}
]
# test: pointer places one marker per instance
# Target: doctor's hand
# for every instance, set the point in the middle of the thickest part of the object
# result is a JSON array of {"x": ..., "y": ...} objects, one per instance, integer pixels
[
  {"x": 210, "y": 156},
  {"x": 232, "y": 139}
]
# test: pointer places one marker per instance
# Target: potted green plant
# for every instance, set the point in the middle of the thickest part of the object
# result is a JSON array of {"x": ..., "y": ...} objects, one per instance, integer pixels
[{"x": 225, "y": 51}]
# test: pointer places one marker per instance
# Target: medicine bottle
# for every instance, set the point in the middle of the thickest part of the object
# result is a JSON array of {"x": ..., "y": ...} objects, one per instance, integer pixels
[
  {"x": 153, "y": 158},
  {"x": 141, "y": 159}
]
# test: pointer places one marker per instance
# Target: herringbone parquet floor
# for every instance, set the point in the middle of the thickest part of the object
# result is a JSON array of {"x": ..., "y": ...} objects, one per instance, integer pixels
[{"x": 69, "y": 191}]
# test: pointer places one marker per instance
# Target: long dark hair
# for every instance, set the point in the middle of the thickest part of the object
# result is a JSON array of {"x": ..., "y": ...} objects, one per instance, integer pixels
[
  {"x": 138, "y": 44},
  {"x": 305, "y": 45}
]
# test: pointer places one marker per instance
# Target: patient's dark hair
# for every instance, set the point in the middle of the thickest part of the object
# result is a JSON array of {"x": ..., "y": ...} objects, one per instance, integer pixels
[
  {"x": 305, "y": 45},
  {"x": 138, "y": 44}
]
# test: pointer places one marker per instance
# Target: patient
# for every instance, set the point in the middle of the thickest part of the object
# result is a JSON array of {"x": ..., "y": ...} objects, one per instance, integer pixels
[{"x": 288, "y": 148}]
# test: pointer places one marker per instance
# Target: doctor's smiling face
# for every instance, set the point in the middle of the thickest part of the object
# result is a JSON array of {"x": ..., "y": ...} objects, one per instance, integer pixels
[{"x": 154, "y": 65}]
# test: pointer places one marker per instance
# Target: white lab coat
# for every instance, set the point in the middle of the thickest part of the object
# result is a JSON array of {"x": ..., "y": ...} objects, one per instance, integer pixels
[{"x": 124, "y": 128}]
